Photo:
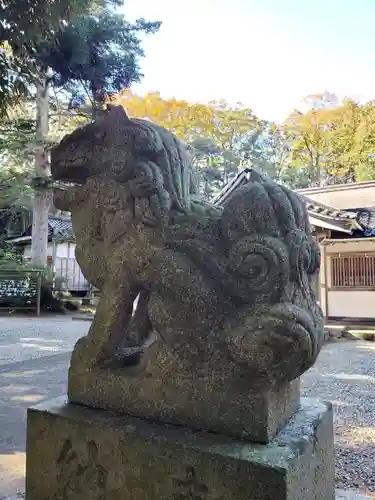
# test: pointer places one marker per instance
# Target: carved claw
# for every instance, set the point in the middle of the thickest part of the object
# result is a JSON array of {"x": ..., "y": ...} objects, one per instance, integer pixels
[
  {"x": 142, "y": 213},
  {"x": 130, "y": 356},
  {"x": 151, "y": 210}
]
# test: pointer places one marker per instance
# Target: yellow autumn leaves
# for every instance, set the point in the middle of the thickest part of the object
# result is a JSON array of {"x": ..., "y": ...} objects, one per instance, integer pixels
[
  {"x": 216, "y": 120},
  {"x": 334, "y": 142}
]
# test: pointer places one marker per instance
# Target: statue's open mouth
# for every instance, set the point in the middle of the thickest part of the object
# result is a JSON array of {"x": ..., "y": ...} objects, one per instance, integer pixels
[{"x": 76, "y": 173}]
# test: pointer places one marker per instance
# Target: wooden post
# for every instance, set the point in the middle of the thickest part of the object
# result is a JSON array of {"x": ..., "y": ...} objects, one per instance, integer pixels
[{"x": 324, "y": 285}]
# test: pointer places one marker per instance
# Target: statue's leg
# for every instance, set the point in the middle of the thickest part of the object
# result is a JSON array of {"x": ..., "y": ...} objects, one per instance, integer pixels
[
  {"x": 108, "y": 328},
  {"x": 184, "y": 300},
  {"x": 141, "y": 321}
]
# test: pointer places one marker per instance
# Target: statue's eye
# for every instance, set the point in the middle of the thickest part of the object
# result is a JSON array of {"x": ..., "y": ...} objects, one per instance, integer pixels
[
  {"x": 146, "y": 145},
  {"x": 141, "y": 142},
  {"x": 72, "y": 147},
  {"x": 99, "y": 135}
]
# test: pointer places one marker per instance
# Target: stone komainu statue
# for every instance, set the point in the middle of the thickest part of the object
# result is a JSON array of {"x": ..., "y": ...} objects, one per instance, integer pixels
[{"x": 225, "y": 291}]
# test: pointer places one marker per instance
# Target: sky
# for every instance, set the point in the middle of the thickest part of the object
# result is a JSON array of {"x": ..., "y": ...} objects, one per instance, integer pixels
[{"x": 267, "y": 54}]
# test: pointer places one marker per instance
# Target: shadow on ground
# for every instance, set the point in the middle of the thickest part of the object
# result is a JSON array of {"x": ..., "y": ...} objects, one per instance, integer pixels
[
  {"x": 23, "y": 384},
  {"x": 22, "y": 338}
]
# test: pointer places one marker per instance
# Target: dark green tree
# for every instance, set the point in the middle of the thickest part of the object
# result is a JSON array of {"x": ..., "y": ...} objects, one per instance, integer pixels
[
  {"x": 25, "y": 26},
  {"x": 95, "y": 56},
  {"x": 207, "y": 162},
  {"x": 84, "y": 48}
]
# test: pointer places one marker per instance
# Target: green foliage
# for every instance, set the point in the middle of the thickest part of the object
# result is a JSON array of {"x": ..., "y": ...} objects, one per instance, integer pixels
[
  {"x": 97, "y": 55},
  {"x": 16, "y": 138},
  {"x": 252, "y": 143},
  {"x": 331, "y": 142},
  {"x": 208, "y": 165},
  {"x": 233, "y": 133},
  {"x": 84, "y": 43},
  {"x": 9, "y": 257},
  {"x": 25, "y": 25},
  {"x": 17, "y": 147},
  {"x": 13, "y": 83}
]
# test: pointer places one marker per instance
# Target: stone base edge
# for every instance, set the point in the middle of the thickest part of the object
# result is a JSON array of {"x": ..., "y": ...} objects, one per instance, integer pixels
[
  {"x": 77, "y": 452},
  {"x": 340, "y": 495}
]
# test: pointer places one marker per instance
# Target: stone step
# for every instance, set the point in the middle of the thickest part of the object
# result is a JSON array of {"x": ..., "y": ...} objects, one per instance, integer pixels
[{"x": 351, "y": 495}]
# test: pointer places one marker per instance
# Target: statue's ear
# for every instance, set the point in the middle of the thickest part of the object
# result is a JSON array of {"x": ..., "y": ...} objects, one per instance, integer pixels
[
  {"x": 117, "y": 112},
  {"x": 256, "y": 176}
]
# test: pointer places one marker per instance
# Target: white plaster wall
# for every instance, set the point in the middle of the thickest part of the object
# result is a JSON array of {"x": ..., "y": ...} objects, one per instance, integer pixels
[
  {"x": 66, "y": 265},
  {"x": 63, "y": 250},
  {"x": 352, "y": 246},
  {"x": 66, "y": 250},
  {"x": 347, "y": 196},
  {"x": 351, "y": 304},
  {"x": 27, "y": 250}
]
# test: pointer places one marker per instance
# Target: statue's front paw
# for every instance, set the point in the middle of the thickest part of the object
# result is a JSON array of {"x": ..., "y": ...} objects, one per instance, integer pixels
[
  {"x": 124, "y": 357},
  {"x": 152, "y": 211},
  {"x": 132, "y": 355},
  {"x": 81, "y": 353}
]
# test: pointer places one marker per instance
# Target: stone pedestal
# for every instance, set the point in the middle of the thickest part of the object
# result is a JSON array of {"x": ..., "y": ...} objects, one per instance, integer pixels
[
  {"x": 75, "y": 452},
  {"x": 215, "y": 402}
]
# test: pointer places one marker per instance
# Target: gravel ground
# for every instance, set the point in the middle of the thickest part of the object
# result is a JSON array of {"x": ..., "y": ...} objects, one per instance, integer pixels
[
  {"x": 24, "y": 338},
  {"x": 345, "y": 375},
  {"x": 34, "y": 360}
]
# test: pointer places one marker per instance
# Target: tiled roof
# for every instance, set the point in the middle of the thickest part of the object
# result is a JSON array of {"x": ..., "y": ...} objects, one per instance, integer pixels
[
  {"x": 366, "y": 217},
  {"x": 58, "y": 227},
  {"x": 331, "y": 218},
  {"x": 320, "y": 215},
  {"x": 319, "y": 209},
  {"x": 240, "y": 180}
]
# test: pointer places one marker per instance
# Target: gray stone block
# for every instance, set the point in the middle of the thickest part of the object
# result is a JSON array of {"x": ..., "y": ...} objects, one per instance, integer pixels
[
  {"x": 211, "y": 403},
  {"x": 74, "y": 452}
]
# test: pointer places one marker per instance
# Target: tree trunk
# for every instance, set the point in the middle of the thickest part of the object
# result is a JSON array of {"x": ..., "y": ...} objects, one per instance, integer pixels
[
  {"x": 42, "y": 197},
  {"x": 319, "y": 177}
]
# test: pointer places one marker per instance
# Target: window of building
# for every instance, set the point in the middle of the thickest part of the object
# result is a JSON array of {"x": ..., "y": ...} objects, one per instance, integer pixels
[{"x": 353, "y": 270}]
